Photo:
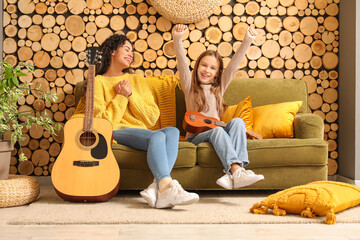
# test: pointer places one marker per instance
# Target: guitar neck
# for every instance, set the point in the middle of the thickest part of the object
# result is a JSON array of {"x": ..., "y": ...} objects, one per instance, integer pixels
[{"x": 89, "y": 104}]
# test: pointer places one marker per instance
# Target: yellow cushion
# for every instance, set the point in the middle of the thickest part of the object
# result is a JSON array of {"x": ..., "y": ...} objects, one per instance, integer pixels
[
  {"x": 242, "y": 110},
  {"x": 323, "y": 198},
  {"x": 275, "y": 120}
]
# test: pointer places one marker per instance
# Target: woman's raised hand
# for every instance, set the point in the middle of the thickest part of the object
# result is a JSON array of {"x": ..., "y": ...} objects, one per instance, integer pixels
[
  {"x": 179, "y": 30},
  {"x": 123, "y": 88}
]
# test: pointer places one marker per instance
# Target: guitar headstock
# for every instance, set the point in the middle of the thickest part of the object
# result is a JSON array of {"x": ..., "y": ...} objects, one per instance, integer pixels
[{"x": 93, "y": 55}]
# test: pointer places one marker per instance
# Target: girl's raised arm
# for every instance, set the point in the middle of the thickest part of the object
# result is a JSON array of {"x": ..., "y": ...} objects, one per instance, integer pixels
[
  {"x": 182, "y": 65},
  {"x": 239, "y": 55}
]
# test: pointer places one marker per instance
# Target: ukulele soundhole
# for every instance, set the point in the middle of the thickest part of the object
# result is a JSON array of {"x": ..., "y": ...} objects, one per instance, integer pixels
[
  {"x": 208, "y": 121},
  {"x": 87, "y": 139}
]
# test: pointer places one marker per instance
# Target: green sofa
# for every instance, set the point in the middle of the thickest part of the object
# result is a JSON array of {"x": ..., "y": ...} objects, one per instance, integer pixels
[{"x": 285, "y": 162}]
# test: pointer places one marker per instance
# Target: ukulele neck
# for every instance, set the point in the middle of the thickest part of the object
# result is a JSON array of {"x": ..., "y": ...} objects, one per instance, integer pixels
[{"x": 220, "y": 124}]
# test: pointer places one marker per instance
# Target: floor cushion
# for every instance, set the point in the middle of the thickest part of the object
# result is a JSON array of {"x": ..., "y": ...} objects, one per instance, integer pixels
[
  {"x": 322, "y": 198},
  {"x": 18, "y": 190}
]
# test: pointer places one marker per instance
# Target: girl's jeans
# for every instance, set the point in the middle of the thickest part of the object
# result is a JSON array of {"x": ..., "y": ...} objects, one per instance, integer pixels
[
  {"x": 161, "y": 146},
  {"x": 229, "y": 143}
]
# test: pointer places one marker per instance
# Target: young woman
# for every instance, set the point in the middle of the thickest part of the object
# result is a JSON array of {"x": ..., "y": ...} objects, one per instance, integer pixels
[
  {"x": 127, "y": 102},
  {"x": 204, "y": 91}
]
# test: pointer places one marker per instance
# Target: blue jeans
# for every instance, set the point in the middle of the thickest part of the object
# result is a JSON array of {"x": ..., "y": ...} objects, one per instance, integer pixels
[
  {"x": 161, "y": 146},
  {"x": 229, "y": 143}
]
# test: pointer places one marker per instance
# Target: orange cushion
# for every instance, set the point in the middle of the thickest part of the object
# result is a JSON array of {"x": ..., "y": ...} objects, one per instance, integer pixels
[
  {"x": 242, "y": 110},
  {"x": 276, "y": 120}
]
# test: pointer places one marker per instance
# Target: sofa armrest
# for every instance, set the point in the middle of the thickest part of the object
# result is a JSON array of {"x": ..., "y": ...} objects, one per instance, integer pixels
[{"x": 308, "y": 125}]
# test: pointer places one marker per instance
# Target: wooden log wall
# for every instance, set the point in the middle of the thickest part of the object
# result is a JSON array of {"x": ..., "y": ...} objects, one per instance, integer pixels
[{"x": 297, "y": 39}]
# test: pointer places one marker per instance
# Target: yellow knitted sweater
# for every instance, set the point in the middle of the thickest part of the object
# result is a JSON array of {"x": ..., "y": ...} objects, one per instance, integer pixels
[{"x": 137, "y": 111}]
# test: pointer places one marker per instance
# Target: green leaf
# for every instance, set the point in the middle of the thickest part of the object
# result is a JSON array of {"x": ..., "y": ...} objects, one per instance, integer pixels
[
  {"x": 30, "y": 68},
  {"x": 38, "y": 86},
  {"x": 22, "y": 157},
  {"x": 20, "y": 74},
  {"x": 15, "y": 80},
  {"x": 57, "y": 127},
  {"x": 10, "y": 83}
]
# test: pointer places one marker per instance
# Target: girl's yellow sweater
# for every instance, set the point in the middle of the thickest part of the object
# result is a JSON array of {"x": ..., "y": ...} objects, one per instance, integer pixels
[{"x": 137, "y": 111}]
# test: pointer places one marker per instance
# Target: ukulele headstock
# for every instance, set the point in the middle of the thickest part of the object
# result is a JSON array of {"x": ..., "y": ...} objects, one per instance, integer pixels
[{"x": 93, "y": 55}]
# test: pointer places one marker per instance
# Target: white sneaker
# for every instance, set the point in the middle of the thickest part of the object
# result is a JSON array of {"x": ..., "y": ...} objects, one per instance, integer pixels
[
  {"x": 225, "y": 181},
  {"x": 242, "y": 178},
  {"x": 149, "y": 194},
  {"x": 175, "y": 195}
]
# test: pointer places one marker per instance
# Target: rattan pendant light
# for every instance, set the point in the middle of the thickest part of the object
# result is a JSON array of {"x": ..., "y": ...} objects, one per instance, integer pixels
[{"x": 185, "y": 11}]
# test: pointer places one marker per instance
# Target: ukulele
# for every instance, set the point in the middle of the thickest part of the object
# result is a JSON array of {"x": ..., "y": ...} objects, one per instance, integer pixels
[
  {"x": 86, "y": 169},
  {"x": 195, "y": 122}
]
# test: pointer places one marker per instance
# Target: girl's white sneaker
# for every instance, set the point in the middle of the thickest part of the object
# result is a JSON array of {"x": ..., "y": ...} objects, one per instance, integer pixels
[
  {"x": 225, "y": 181},
  {"x": 242, "y": 178}
]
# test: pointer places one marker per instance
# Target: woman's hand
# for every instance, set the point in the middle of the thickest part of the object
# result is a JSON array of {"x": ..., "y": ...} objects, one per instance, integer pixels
[
  {"x": 123, "y": 88},
  {"x": 180, "y": 30}
]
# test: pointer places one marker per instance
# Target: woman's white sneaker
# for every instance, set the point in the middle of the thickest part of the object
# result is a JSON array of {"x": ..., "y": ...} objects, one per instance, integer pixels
[
  {"x": 242, "y": 178},
  {"x": 149, "y": 194},
  {"x": 175, "y": 195}
]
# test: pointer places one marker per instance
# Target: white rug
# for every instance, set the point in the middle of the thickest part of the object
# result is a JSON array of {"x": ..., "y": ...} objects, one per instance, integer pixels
[{"x": 214, "y": 207}]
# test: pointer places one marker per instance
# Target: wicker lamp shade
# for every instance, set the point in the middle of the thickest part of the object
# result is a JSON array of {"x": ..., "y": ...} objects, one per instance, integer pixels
[
  {"x": 185, "y": 11},
  {"x": 18, "y": 190}
]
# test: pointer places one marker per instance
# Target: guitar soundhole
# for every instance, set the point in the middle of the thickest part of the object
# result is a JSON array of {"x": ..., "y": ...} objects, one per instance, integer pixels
[
  {"x": 208, "y": 121},
  {"x": 87, "y": 139}
]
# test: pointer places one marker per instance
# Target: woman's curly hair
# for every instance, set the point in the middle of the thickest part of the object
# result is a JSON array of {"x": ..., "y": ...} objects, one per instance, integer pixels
[{"x": 106, "y": 48}]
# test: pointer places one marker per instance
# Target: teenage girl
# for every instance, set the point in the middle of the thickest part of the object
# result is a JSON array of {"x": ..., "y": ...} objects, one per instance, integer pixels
[{"x": 204, "y": 90}]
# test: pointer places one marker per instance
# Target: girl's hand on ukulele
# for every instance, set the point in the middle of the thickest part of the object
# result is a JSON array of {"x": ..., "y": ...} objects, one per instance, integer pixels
[
  {"x": 179, "y": 30},
  {"x": 123, "y": 88}
]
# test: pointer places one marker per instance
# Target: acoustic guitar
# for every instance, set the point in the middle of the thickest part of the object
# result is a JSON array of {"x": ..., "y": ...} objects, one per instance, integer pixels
[
  {"x": 195, "y": 122},
  {"x": 86, "y": 169}
]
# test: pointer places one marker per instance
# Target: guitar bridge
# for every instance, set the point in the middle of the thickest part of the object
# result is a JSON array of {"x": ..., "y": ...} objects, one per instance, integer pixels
[
  {"x": 86, "y": 163},
  {"x": 192, "y": 117}
]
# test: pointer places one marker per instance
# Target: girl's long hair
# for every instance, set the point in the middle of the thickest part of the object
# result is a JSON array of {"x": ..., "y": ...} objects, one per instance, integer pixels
[{"x": 197, "y": 91}]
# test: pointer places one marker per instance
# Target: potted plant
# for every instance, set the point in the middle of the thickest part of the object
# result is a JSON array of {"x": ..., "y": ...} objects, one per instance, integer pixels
[{"x": 11, "y": 90}]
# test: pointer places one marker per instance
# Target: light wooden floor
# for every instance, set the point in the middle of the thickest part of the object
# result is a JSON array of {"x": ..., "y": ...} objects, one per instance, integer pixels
[{"x": 168, "y": 232}]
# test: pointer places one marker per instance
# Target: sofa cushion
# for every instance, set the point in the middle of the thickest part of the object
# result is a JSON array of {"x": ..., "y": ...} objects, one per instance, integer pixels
[
  {"x": 242, "y": 110},
  {"x": 267, "y": 91},
  {"x": 275, "y": 152},
  {"x": 275, "y": 177},
  {"x": 131, "y": 158},
  {"x": 276, "y": 120}
]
